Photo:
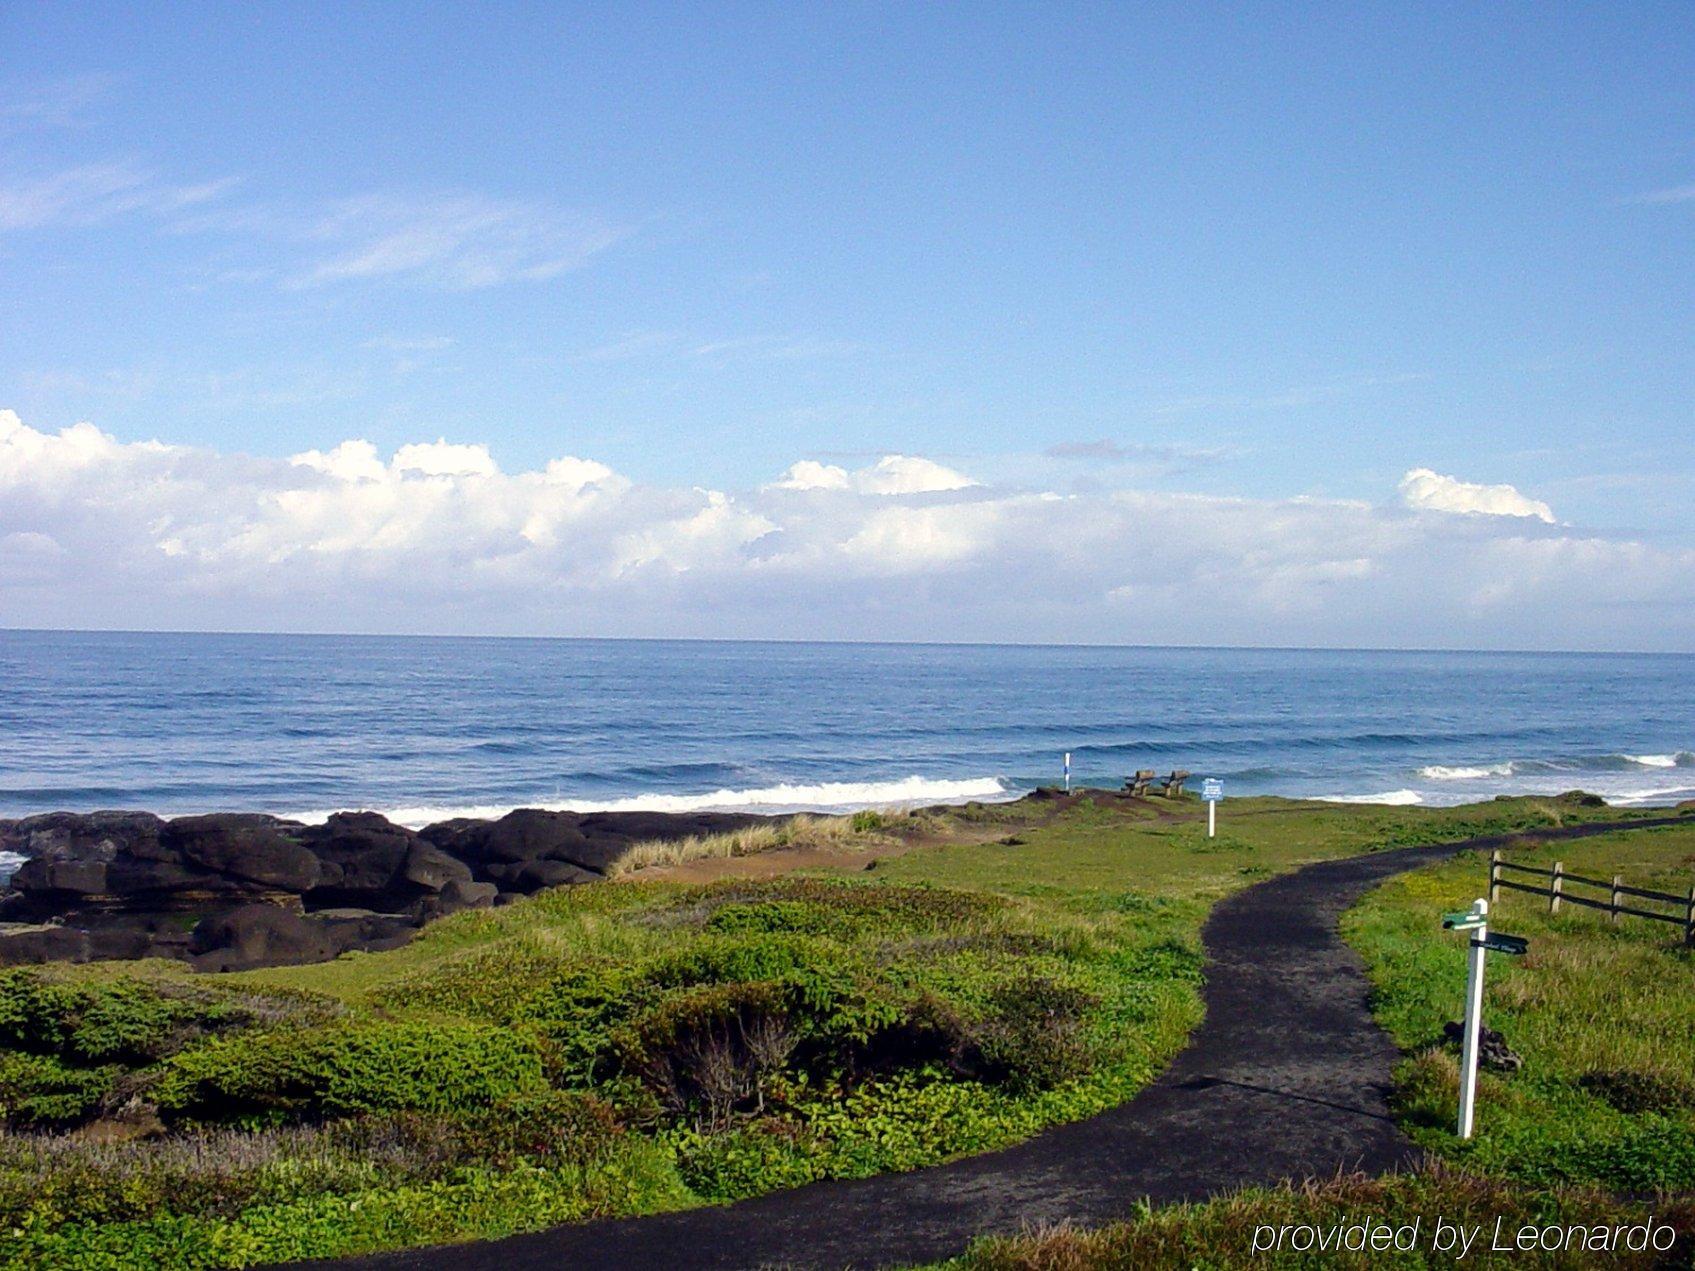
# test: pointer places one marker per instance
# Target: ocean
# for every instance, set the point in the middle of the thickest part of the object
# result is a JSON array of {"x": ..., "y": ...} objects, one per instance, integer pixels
[{"x": 423, "y": 728}]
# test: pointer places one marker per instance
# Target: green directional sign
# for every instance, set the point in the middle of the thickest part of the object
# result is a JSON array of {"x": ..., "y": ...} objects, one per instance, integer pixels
[
  {"x": 1498, "y": 942},
  {"x": 1466, "y": 921}
]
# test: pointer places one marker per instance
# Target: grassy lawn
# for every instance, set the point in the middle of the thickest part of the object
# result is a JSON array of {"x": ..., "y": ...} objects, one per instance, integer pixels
[
  {"x": 641, "y": 1045},
  {"x": 1603, "y": 1015}
]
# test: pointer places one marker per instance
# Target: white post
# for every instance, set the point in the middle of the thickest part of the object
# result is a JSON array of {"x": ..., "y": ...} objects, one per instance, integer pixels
[
  {"x": 1473, "y": 1020},
  {"x": 1212, "y": 818},
  {"x": 1068, "y": 772}
]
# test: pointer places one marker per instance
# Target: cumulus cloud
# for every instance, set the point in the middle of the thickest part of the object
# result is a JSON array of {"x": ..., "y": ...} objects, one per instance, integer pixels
[
  {"x": 1431, "y": 491},
  {"x": 437, "y": 536},
  {"x": 892, "y": 474}
]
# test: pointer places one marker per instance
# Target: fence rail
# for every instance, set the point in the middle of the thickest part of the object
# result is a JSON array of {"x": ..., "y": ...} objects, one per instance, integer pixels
[{"x": 1612, "y": 906}]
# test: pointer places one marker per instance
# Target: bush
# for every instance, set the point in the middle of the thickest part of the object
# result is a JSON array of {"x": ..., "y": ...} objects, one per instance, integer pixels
[
  {"x": 338, "y": 1070},
  {"x": 39, "y": 1091},
  {"x": 712, "y": 1051},
  {"x": 867, "y": 822},
  {"x": 124, "y": 1021},
  {"x": 1033, "y": 1039}
]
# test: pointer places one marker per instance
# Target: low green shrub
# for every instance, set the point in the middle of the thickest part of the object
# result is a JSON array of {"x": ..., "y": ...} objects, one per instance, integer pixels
[
  {"x": 1032, "y": 1038},
  {"x": 40, "y": 1091},
  {"x": 122, "y": 1021},
  {"x": 342, "y": 1069}
]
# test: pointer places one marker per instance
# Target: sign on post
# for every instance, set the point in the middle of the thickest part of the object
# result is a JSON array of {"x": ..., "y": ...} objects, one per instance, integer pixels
[
  {"x": 1068, "y": 772},
  {"x": 1212, "y": 790},
  {"x": 1476, "y": 921}
]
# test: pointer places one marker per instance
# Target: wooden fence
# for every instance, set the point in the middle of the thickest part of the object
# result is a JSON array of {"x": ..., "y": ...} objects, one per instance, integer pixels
[{"x": 1613, "y": 906}]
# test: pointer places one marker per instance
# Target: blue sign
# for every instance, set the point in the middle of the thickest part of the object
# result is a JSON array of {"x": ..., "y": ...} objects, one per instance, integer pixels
[{"x": 1212, "y": 789}]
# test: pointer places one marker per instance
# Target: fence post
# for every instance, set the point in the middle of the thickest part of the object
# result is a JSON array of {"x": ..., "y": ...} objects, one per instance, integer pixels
[
  {"x": 1494, "y": 876},
  {"x": 1618, "y": 881},
  {"x": 1689, "y": 919},
  {"x": 1558, "y": 887}
]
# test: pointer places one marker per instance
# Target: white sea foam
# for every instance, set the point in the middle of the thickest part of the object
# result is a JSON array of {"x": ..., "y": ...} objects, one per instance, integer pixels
[
  {"x": 831, "y": 796},
  {"x": 1398, "y": 798},
  {"x": 1440, "y": 772},
  {"x": 1682, "y": 758},
  {"x": 9, "y": 862}
]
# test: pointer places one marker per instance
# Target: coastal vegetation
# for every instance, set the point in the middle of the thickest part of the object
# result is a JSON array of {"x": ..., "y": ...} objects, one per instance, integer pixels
[
  {"x": 1603, "y": 1015},
  {"x": 1596, "y": 1128},
  {"x": 640, "y": 1045}
]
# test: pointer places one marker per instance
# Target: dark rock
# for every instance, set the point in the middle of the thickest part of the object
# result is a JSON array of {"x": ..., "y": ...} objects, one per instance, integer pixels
[
  {"x": 432, "y": 869},
  {"x": 359, "y": 853},
  {"x": 27, "y": 946},
  {"x": 539, "y": 875},
  {"x": 260, "y": 936},
  {"x": 250, "y": 848},
  {"x": 363, "y": 929},
  {"x": 1492, "y": 1049},
  {"x": 74, "y": 877}
]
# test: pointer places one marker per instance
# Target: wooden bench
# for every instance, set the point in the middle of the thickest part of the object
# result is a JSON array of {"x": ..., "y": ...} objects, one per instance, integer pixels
[
  {"x": 1173, "y": 785},
  {"x": 1137, "y": 786}
]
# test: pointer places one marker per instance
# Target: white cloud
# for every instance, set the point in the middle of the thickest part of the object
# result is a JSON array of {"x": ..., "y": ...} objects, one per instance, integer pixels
[
  {"x": 458, "y": 241},
  {"x": 892, "y": 474},
  {"x": 95, "y": 531},
  {"x": 1431, "y": 491},
  {"x": 92, "y": 193}
]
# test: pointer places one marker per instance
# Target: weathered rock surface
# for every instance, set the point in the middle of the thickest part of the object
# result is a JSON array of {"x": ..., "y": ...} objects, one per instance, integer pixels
[{"x": 233, "y": 891}]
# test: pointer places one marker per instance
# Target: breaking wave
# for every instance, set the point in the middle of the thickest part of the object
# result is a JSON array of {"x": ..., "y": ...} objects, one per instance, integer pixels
[
  {"x": 830, "y": 796},
  {"x": 1397, "y": 798}
]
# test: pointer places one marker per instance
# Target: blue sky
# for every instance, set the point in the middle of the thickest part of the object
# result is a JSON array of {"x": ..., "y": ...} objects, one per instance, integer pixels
[{"x": 1236, "y": 253}]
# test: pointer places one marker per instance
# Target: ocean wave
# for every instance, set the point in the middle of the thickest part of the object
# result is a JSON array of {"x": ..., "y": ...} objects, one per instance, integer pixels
[
  {"x": 1681, "y": 759},
  {"x": 9, "y": 862},
  {"x": 1396, "y": 798},
  {"x": 1441, "y": 772},
  {"x": 830, "y": 796}
]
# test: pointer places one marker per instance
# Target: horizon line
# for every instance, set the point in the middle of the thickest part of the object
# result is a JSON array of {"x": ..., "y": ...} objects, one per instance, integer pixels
[{"x": 964, "y": 644}]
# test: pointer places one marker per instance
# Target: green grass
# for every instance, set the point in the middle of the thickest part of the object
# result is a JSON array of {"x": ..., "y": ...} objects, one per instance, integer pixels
[
  {"x": 1222, "y": 1234},
  {"x": 1603, "y": 1015},
  {"x": 679, "y": 1045}
]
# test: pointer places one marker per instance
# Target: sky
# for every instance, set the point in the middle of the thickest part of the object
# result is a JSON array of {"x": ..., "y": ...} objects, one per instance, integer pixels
[{"x": 1321, "y": 325}]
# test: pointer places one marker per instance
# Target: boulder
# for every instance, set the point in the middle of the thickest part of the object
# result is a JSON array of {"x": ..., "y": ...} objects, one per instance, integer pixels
[
  {"x": 259, "y": 936},
  {"x": 245, "y": 847},
  {"x": 359, "y": 854},
  {"x": 29, "y": 945}
]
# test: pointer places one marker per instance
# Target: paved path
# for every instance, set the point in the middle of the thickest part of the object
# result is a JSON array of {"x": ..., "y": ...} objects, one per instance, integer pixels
[{"x": 1287, "y": 1078}]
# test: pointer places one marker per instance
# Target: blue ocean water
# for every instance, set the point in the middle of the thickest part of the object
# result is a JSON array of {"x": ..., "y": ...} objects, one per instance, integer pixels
[{"x": 424, "y": 728}]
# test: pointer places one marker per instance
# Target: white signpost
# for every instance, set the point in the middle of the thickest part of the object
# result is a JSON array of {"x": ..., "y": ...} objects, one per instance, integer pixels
[
  {"x": 1212, "y": 790},
  {"x": 1068, "y": 772},
  {"x": 1475, "y": 922}
]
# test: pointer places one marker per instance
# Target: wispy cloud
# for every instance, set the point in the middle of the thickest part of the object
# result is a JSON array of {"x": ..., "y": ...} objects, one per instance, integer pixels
[
  {"x": 1287, "y": 398},
  {"x": 458, "y": 241},
  {"x": 677, "y": 346},
  {"x": 92, "y": 193},
  {"x": 1676, "y": 194},
  {"x": 1105, "y": 451},
  {"x": 63, "y": 102}
]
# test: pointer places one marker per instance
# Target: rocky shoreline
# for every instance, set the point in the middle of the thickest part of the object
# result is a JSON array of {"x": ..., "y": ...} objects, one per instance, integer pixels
[{"x": 236, "y": 891}]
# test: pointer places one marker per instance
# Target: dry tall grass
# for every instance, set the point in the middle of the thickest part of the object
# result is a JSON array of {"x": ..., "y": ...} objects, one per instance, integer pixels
[{"x": 804, "y": 829}]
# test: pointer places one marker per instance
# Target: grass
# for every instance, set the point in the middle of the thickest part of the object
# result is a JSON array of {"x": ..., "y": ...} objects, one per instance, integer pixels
[
  {"x": 862, "y": 829},
  {"x": 1241, "y": 1231},
  {"x": 679, "y": 1044},
  {"x": 1603, "y": 1015}
]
